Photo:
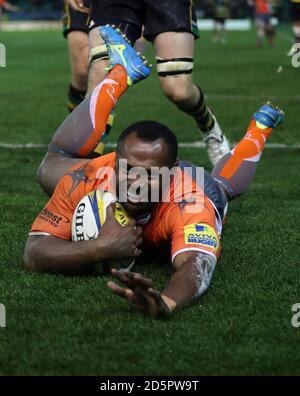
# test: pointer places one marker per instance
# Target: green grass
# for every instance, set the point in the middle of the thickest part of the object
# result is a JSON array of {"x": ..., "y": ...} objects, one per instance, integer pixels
[{"x": 73, "y": 325}]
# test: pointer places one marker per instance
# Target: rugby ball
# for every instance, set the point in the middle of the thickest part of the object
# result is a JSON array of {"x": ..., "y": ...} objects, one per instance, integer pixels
[{"x": 90, "y": 215}]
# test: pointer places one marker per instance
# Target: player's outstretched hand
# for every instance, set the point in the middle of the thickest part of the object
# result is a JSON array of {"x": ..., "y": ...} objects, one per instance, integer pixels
[
  {"x": 78, "y": 5},
  {"x": 139, "y": 293}
]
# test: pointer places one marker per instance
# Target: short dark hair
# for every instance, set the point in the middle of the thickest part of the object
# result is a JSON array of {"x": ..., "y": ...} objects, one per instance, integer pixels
[{"x": 151, "y": 131}]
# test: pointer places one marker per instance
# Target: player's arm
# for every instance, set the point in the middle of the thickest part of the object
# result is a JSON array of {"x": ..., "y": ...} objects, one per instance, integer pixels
[
  {"x": 49, "y": 253},
  {"x": 191, "y": 279}
]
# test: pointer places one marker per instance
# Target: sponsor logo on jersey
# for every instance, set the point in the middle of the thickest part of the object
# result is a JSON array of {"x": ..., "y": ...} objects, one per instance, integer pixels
[
  {"x": 202, "y": 235},
  {"x": 52, "y": 218}
]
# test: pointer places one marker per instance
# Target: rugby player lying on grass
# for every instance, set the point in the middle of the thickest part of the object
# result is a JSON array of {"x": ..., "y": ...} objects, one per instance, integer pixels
[{"x": 189, "y": 236}]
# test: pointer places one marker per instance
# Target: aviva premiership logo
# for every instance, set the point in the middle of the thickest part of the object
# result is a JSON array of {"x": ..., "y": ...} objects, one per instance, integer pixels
[{"x": 202, "y": 235}]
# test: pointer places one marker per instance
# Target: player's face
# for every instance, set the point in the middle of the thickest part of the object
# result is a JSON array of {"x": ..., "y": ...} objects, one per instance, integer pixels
[{"x": 138, "y": 187}]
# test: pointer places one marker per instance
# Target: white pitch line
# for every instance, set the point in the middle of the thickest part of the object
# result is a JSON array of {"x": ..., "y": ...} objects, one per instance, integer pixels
[
  {"x": 191, "y": 145},
  {"x": 262, "y": 98}
]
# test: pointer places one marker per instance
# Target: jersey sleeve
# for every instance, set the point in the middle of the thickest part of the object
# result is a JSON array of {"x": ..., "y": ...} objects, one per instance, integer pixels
[
  {"x": 195, "y": 231},
  {"x": 56, "y": 217}
]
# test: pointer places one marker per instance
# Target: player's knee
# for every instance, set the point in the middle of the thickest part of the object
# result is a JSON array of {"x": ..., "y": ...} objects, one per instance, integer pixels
[
  {"x": 177, "y": 93},
  {"x": 43, "y": 174},
  {"x": 28, "y": 259}
]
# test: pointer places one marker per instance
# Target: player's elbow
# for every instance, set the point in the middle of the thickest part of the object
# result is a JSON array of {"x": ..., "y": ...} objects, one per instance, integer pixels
[{"x": 30, "y": 257}]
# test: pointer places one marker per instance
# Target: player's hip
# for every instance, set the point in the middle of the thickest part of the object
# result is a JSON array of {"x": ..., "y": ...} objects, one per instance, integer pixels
[{"x": 154, "y": 16}]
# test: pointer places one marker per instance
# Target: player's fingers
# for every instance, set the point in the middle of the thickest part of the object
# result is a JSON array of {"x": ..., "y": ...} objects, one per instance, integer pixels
[
  {"x": 132, "y": 223},
  {"x": 122, "y": 277},
  {"x": 140, "y": 280},
  {"x": 155, "y": 294},
  {"x": 120, "y": 291},
  {"x": 110, "y": 211}
]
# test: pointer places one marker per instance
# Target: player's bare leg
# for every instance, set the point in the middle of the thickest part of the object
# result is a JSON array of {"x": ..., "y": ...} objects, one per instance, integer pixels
[
  {"x": 78, "y": 53},
  {"x": 75, "y": 140},
  {"x": 98, "y": 59},
  {"x": 174, "y": 52},
  {"x": 236, "y": 170}
]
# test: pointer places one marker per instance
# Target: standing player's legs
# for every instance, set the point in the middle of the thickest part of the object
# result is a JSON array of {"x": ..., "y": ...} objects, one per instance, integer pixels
[
  {"x": 75, "y": 30},
  {"x": 173, "y": 36},
  {"x": 79, "y": 53},
  {"x": 112, "y": 12},
  {"x": 236, "y": 170}
]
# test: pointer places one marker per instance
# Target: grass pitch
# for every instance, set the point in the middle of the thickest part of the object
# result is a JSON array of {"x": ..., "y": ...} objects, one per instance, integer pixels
[{"x": 74, "y": 326}]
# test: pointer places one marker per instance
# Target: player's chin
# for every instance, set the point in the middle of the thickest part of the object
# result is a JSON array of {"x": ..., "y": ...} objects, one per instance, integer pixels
[{"x": 137, "y": 208}]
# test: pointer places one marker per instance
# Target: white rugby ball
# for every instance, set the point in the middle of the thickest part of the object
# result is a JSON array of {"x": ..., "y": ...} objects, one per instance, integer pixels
[{"x": 90, "y": 215}]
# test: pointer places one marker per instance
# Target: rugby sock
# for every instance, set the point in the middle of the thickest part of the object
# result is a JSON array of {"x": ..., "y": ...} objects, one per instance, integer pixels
[
  {"x": 99, "y": 149},
  {"x": 103, "y": 99},
  {"x": 75, "y": 97},
  {"x": 236, "y": 170},
  {"x": 202, "y": 114}
]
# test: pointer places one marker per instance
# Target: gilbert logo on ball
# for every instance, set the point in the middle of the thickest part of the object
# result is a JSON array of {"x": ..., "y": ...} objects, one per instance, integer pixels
[
  {"x": 2, "y": 55},
  {"x": 2, "y": 315}
]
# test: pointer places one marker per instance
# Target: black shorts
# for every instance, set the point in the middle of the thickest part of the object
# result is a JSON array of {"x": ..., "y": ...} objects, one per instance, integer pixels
[
  {"x": 74, "y": 21},
  {"x": 156, "y": 16},
  {"x": 295, "y": 11}
]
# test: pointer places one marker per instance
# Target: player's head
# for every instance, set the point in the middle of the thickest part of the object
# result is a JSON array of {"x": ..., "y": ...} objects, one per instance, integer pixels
[{"x": 144, "y": 145}]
